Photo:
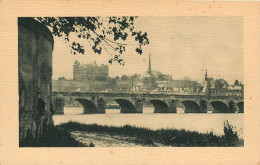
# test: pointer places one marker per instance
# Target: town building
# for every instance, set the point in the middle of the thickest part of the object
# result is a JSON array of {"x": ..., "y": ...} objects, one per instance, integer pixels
[
  {"x": 221, "y": 87},
  {"x": 85, "y": 72},
  {"x": 236, "y": 90},
  {"x": 210, "y": 87},
  {"x": 215, "y": 87}
]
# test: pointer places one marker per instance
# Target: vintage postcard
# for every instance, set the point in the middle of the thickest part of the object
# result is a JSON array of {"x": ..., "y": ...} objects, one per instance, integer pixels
[{"x": 129, "y": 85}]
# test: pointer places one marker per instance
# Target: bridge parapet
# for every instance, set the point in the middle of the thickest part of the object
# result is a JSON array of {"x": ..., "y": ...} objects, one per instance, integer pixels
[{"x": 146, "y": 95}]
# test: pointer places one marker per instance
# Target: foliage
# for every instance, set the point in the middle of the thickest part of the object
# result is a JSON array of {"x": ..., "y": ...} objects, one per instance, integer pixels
[
  {"x": 91, "y": 144},
  {"x": 231, "y": 135},
  {"x": 101, "y": 78},
  {"x": 167, "y": 137},
  {"x": 59, "y": 136},
  {"x": 136, "y": 76},
  {"x": 102, "y": 33},
  {"x": 124, "y": 78},
  {"x": 112, "y": 83},
  {"x": 53, "y": 137},
  {"x": 61, "y": 78},
  {"x": 117, "y": 78}
]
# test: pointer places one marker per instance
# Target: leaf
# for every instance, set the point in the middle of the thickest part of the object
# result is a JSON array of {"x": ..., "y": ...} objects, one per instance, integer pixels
[
  {"x": 139, "y": 50},
  {"x": 96, "y": 30}
]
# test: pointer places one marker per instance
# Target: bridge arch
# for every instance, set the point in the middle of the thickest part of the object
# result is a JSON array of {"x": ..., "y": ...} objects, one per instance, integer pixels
[
  {"x": 125, "y": 106},
  {"x": 89, "y": 106},
  {"x": 191, "y": 106},
  {"x": 160, "y": 106},
  {"x": 219, "y": 107},
  {"x": 240, "y": 107}
]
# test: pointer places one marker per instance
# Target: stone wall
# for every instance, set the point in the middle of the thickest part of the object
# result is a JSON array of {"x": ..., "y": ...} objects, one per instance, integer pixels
[{"x": 35, "y": 46}]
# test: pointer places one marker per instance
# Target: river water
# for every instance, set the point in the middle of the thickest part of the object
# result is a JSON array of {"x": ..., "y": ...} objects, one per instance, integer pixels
[{"x": 189, "y": 121}]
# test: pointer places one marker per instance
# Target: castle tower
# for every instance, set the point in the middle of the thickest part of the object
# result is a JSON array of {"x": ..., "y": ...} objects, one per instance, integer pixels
[{"x": 76, "y": 67}]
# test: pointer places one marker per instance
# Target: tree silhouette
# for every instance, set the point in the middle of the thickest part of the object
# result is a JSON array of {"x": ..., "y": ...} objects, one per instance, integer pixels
[
  {"x": 124, "y": 77},
  {"x": 102, "y": 33}
]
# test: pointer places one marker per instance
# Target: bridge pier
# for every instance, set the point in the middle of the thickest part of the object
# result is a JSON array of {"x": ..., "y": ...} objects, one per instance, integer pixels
[
  {"x": 139, "y": 106},
  {"x": 240, "y": 106},
  {"x": 101, "y": 106},
  {"x": 232, "y": 107},
  {"x": 204, "y": 106},
  {"x": 172, "y": 106},
  {"x": 58, "y": 105}
]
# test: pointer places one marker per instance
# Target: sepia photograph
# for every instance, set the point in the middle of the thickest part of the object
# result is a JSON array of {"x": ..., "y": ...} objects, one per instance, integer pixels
[{"x": 130, "y": 81}]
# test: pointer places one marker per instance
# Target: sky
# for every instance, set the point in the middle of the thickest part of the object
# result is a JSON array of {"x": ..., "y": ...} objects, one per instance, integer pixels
[{"x": 183, "y": 47}]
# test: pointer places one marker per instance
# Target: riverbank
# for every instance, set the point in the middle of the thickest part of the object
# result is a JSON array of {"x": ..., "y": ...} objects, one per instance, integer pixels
[
  {"x": 74, "y": 134},
  {"x": 130, "y": 136},
  {"x": 105, "y": 140}
]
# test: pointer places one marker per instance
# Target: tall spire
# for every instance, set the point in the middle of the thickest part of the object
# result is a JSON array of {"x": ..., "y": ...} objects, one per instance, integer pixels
[
  {"x": 206, "y": 75},
  {"x": 150, "y": 65}
]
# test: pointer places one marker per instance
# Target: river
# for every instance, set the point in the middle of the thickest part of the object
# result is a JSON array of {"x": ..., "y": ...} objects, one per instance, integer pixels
[{"x": 189, "y": 121}]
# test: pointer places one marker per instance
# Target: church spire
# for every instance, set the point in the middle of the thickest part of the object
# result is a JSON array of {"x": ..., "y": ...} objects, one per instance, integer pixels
[
  {"x": 150, "y": 65},
  {"x": 206, "y": 75}
]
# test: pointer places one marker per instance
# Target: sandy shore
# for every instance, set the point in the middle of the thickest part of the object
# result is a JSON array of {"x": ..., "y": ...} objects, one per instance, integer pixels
[{"x": 106, "y": 140}]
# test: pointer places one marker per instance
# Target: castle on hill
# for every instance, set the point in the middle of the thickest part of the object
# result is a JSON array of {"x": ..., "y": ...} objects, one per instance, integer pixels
[{"x": 85, "y": 72}]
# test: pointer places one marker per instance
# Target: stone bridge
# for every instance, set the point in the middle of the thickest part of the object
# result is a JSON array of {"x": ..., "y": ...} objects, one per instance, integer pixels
[{"x": 163, "y": 103}]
